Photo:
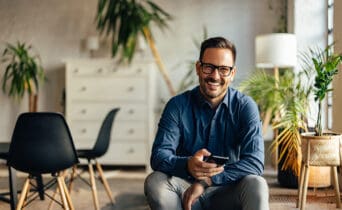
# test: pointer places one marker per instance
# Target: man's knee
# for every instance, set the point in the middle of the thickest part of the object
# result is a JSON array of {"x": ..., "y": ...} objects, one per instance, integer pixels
[
  {"x": 255, "y": 184},
  {"x": 153, "y": 182},
  {"x": 254, "y": 188},
  {"x": 255, "y": 192},
  {"x": 160, "y": 192}
]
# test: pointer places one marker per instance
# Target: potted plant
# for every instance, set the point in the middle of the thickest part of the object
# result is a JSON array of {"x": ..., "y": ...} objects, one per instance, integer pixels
[
  {"x": 289, "y": 101},
  {"x": 292, "y": 120},
  {"x": 23, "y": 71},
  {"x": 125, "y": 21},
  {"x": 324, "y": 65}
]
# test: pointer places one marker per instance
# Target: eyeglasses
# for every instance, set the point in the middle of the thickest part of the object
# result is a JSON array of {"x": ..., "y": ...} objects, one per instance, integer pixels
[{"x": 224, "y": 71}]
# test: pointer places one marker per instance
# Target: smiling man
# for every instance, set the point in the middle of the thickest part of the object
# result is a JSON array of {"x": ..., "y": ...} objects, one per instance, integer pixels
[{"x": 211, "y": 119}]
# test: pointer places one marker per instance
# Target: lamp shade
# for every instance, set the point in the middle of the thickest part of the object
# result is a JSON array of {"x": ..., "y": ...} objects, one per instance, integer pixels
[{"x": 276, "y": 50}]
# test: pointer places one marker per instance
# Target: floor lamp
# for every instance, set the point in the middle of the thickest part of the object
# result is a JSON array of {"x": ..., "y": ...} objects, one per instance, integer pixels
[{"x": 276, "y": 50}]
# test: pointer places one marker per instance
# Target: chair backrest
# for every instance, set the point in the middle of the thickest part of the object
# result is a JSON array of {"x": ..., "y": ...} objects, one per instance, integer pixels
[
  {"x": 41, "y": 143},
  {"x": 103, "y": 138}
]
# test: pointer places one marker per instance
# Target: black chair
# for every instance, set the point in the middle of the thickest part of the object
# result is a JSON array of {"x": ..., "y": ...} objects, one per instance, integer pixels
[
  {"x": 42, "y": 144},
  {"x": 91, "y": 155},
  {"x": 11, "y": 196}
]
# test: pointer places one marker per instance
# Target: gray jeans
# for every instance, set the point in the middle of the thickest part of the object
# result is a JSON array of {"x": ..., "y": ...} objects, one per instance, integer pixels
[{"x": 165, "y": 192}]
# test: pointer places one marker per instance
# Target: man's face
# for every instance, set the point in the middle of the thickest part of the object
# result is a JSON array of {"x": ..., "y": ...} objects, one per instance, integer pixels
[{"x": 213, "y": 85}]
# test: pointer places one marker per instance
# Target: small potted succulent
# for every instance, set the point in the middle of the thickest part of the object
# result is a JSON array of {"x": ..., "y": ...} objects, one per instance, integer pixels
[{"x": 23, "y": 72}]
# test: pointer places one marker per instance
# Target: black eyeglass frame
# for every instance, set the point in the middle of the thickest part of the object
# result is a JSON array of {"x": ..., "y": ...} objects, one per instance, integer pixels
[{"x": 220, "y": 69}]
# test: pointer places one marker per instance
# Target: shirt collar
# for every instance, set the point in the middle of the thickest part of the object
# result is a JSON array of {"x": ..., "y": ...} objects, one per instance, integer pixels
[{"x": 202, "y": 101}]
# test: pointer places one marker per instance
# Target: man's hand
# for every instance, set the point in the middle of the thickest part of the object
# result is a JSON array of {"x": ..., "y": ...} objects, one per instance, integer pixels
[
  {"x": 200, "y": 169},
  {"x": 191, "y": 195}
]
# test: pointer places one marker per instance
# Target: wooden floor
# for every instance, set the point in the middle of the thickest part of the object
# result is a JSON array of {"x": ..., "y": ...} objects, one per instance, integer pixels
[{"x": 127, "y": 187}]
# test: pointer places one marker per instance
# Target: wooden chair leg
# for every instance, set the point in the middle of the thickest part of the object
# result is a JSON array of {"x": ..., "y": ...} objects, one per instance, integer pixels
[
  {"x": 62, "y": 192},
  {"x": 305, "y": 187},
  {"x": 72, "y": 177},
  {"x": 93, "y": 185},
  {"x": 56, "y": 190},
  {"x": 337, "y": 187},
  {"x": 23, "y": 194},
  {"x": 51, "y": 201},
  {"x": 27, "y": 193},
  {"x": 300, "y": 186},
  {"x": 104, "y": 181},
  {"x": 67, "y": 195}
]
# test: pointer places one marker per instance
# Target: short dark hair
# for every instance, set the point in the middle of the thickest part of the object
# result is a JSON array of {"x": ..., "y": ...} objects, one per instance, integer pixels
[{"x": 217, "y": 42}]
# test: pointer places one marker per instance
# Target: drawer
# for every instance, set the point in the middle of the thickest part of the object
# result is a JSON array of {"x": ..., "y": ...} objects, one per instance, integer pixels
[
  {"x": 108, "y": 89},
  {"x": 123, "y": 154},
  {"x": 105, "y": 68},
  {"x": 124, "y": 130},
  {"x": 97, "y": 111}
]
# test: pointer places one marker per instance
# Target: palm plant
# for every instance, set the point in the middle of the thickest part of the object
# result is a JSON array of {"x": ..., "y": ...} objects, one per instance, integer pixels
[
  {"x": 324, "y": 64},
  {"x": 23, "y": 72},
  {"x": 124, "y": 20},
  {"x": 289, "y": 101},
  {"x": 293, "y": 110},
  {"x": 260, "y": 87}
]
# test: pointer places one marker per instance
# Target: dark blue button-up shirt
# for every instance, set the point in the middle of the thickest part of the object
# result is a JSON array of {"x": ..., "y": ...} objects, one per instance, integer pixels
[{"x": 189, "y": 124}]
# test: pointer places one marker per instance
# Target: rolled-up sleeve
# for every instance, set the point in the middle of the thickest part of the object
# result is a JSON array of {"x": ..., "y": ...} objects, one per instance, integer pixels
[{"x": 163, "y": 157}]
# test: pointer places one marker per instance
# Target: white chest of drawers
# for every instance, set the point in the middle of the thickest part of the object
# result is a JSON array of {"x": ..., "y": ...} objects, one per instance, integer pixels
[{"x": 93, "y": 87}]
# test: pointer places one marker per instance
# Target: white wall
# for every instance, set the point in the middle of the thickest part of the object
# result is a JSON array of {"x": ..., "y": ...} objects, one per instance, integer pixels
[
  {"x": 239, "y": 21},
  {"x": 57, "y": 29},
  {"x": 309, "y": 23}
]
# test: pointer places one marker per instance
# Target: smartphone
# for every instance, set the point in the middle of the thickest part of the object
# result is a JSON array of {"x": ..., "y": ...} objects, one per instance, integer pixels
[{"x": 219, "y": 160}]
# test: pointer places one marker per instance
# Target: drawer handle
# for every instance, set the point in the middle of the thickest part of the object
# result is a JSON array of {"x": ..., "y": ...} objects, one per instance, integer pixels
[
  {"x": 139, "y": 70},
  {"x": 76, "y": 71},
  {"x": 84, "y": 130},
  {"x": 131, "y": 89},
  {"x": 131, "y": 131},
  {"x": 100, "y": 70},
  {"x": 115, "y": 70},
  {"x": 130, "y": 151},
  {"x": 83, "y": 88},
  {"x": 131, "y": 111},
  {"x": 83, "y": 111}
]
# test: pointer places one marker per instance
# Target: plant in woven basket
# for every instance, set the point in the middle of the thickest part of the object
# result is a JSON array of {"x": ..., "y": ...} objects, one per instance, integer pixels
[
  {"x": 23, "y": 72},
  {"x": 324, "y": 64}
]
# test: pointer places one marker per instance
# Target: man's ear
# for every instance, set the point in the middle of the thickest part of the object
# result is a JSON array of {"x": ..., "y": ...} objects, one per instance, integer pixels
[
  {"x": 198, "y": 67},
  {"x": 233, "y": 73}
]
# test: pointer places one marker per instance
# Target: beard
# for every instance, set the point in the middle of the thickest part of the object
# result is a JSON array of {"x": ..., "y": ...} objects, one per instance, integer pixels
[{"x": 221, "y": 86}]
